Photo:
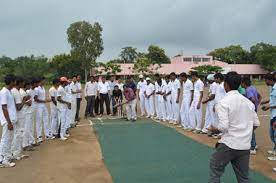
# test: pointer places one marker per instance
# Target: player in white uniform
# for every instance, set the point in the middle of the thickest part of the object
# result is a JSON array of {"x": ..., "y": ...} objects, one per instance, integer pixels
[
  {"x": 196, "y": 106},
  {"x": 167, "y": 90},
  {"x": 20, "y": 102},
  {"x": 8, "y": 121},
  {"x": 63, "y": 104},
  {"x": 149, "y": 94},
  {"x": 53, "y": 107},
  {"x": 209, "y": 115},
  {"x": 42, "y": 114},
  {"x": 28, "y": 137},
  {"x": 160, "y": 104},
  {"x": 141, "y": 87},
  {"x": 75, "y": 91},
  {"x": 175, "y": 96},
  {"x": 186, "y": 101}
]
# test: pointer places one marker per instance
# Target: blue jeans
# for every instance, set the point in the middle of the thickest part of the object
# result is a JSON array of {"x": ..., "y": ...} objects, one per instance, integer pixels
[
  {"x": 253, "y": 140},
  {"x": 272, "y": 132}
]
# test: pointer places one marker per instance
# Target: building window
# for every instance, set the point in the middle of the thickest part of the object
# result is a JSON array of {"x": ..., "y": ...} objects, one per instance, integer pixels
[
  {"x": 187, "y": 59},
  {"x": 205, "y": 59},
  {"x": 195, "y": 59}
]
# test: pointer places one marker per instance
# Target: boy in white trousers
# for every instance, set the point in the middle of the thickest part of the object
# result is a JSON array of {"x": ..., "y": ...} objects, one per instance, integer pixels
[
  {"x": 20, "y": 101},
  {"x": 159, "y": 104},
  {"x": 149, "y": 94},
  {"x": 186, "y": 101},
  {"x": 175, "y": 98},
  {"x": 167, "y": 90},
  {"x": 210, "y": 103},
  {"x": 28, "y": 137},
  {"x": 196, "y": 106},
  {"x": 130, "y": 104},
  {"x": 75, "y": 91},
  {"x": 8, "y": 120},
  {"x": 141, "y": 87},
  {"x": 63, "y": 105},
  {"x": 53, "y": 108},
  {"x": 42, "y": 114}
]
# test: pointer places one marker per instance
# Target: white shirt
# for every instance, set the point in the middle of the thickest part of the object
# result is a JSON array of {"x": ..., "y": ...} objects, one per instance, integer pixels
[
  {"x": 62, "y": 93},
  {"x": 68, "y": 91},
  {"x": 198, "y": 88},
  {"x": 121, "y": 86},
  {"x": 74, "y": 88},
  {"x": 175, "y": 85},
  {"x": 149, "y": 89},
  {"x": 220, "y": 92},
  {"x": 18, "y": 100},
  {"x": 53, "y": 93},
  {"x": 78, "y": 88},
  {"x": 141, "y": 86},
  {"x": 26, "y": 108},
  {"x": 212, "y": 91},
  {"x": 90, "y": 89},
  {"x": 236, "y": 116},
  {"x": 188, "y": 87},
  {"x": 41, "y": 94},
  {"x": 103, "y": 88},
  {"x": 6, "y": 98},
  {"x": 31, "y": 93}
]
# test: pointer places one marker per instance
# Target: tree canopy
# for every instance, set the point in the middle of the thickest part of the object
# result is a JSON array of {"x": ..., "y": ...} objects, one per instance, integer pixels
[
  {"x": 128, "y": 55},
  {"x": 207, "y": 69},
  {"x": 157, "y": 55}
]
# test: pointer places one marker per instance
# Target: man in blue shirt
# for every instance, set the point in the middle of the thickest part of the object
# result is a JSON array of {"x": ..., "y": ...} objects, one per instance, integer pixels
[
  {"x": 271, "y": 82},
  {"x": 130, "y": 84}
]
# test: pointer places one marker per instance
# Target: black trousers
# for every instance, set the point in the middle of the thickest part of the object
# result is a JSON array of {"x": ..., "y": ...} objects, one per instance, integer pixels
[
  {"x": 90, "y": 105},
  {"x": 104, "y": 98},
  {"x": 224, "y": 155},
  {"x": 78, "y": 109},
  {"x": 97, "y": 105}
]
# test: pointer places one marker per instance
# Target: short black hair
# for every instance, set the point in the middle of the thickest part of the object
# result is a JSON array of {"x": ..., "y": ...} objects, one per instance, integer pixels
[
  {"x": 167, "y": 77},
  {"x": 184, "y": 75},
  {"x": 27, "y": 82},
  {"x": 34, "y": 80},
  {"x": 9, "y": 78},
  {"x": 157, "y": 75},
  {"x": 19, "y": 80},
  {"x": 219, "y": 76},
  {"x": 129, "y": 77},
  {"x": 246, "y": 81},
  {"x": 116, "y": 86},
  {"x": 172, "y": 74},
  {"x": 233, "y": 79},
  {"x": 270, "y": 77},
  {"x": 55, "y": 81},
  {"x": 194, "y": 73}
]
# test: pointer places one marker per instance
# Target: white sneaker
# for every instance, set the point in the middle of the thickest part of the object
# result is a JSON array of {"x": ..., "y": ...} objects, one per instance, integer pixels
[
  {"x": 274, "y": 169},
  {"x": 171, "y": 122},
  {"x": 204, "y": 131},
  {"x": 190, "y": 129},
  {"x": 253, "y": 152},
  {"x": 196, "y": 131},
  {"x": 179, "y": 126},
  {"x": 256, "y": 147},
  {"x": 66, "y": 135},
  {"x": 272, "y": 158},
  {"x": 271, "y": 152},
  {"x": 63, "y": 138},
  {"x": 7, "y": 164}
]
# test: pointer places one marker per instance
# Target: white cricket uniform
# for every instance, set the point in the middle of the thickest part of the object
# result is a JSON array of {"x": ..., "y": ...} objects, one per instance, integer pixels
[
  {"x": 28, "y": 138},
  {"x": 6, "y": 98},
  {"x": 69, "y": 98},
  {"x": 19, "y": 130},
  {"x": 53, "y": 111},
  {"x": 220, "y": 94},
  {"x": 209, "y": 115},
  {"x": 74, "y": 88},
  {"x": 175, "y": 85},
  {"x": 42, "y": 114},
  {"x": 141, "y": 86},
  {"x": 62, "y": 110},
  {"x": 167, "y": 113},
  {"x": 159, "y": 102},
  {"x": 186, "y": 101},
  {"x": 196, "y": 114},
  {"x": 149, "y": 103}
]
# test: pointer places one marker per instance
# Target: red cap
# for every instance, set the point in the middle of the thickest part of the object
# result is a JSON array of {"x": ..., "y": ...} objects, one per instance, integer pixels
[{"x": 63, "y": 79}]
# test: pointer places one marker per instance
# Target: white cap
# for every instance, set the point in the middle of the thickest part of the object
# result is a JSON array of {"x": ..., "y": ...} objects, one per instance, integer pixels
[
  {"x": 141, "y": 76},
  {"x": 147, "y": 79},
  {"x": 210, "y": 77}
]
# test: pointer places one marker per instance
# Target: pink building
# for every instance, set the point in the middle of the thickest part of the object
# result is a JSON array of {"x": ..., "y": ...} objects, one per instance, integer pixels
[{"x": 182, "y": 63}]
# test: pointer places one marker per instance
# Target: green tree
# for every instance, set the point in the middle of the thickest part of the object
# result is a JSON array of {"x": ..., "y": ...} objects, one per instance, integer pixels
[
  {"x": 128, "y": 55},
  {"x": 7, "y": 65},
  {"x": 86, "y": 43},
  {"x": 207, "y": 69},
  {"x": 157, "y": 55},
  {"x": 231, "y": 54},
  {"x": 110, "y": 68},
  {"x": 142, "y": 65},
  {"x": 265, "y": 55},
  {"x": 65, "y": 65}
]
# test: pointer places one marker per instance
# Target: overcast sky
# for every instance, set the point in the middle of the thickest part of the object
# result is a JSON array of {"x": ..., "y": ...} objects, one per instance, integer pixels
[{"x": 180, "y": 26}]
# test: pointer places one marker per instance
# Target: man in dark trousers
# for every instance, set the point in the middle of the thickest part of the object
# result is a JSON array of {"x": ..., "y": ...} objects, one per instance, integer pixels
[
  {"x": 103, "y": 93},
  {"x": 236, "y": 118},
  {"x": 90, "y": 93}
]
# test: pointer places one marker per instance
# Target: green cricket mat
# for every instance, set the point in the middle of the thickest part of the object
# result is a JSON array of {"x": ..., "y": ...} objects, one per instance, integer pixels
[{"x": 149, "y": 152}]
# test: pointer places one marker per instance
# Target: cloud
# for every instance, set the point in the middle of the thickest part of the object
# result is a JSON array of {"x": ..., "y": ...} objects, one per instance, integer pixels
[{"x": 189, "y": 26}]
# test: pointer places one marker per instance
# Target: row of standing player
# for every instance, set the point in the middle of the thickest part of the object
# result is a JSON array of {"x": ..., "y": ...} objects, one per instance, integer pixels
[{"x": 24, "y": 103}]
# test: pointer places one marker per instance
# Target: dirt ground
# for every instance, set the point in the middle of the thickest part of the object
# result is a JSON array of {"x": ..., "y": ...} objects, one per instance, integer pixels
[{"x": 79, "y": 160}]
